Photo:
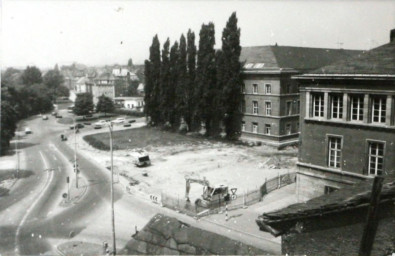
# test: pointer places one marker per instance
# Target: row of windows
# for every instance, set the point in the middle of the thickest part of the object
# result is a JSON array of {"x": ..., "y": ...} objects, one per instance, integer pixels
[
  {"x": 376, "y": 110},
  {"x": 267, "y": 128},
  {"x": 268, "y": 108},
  {"x": 267, "y": 89},
  {"x": 375, "y": 155}
]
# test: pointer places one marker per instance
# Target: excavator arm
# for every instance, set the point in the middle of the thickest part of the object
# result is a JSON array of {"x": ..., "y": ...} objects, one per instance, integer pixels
[{"x": 188, "y": 181}]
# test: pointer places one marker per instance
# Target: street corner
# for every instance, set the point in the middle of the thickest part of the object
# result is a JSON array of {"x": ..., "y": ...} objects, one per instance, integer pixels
[{"x": 80, "y": 248}]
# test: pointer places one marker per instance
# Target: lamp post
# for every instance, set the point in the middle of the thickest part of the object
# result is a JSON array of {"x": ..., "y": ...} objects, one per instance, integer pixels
[
  {"x": 75, "y": 156},
  {"x": 112, "y": 192},
  {"x": 17, "y": 154}
]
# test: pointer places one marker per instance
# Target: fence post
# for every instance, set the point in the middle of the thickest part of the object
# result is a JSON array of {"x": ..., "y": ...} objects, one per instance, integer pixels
[{"x": 278, "y": 180}]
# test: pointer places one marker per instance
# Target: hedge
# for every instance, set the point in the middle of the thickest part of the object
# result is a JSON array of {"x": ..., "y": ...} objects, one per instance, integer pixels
[{"x": 98, "y": 144}]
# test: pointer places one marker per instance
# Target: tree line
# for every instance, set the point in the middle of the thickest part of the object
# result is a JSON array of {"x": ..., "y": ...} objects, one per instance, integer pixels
[
  {"x": 26, "y": 93},
  {"x": 200, "y": 86}
]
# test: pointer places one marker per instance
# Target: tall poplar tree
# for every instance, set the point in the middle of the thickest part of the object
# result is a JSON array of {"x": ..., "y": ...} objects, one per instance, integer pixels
[
  {"x": 154, "y": 72},
  {"x": 182, "y": 82},
  {"x": 172, "y": 101},
  {"x": 232, "y": 81},
  {"x": 206, "y": 77},
  {"x": 148, "y": 88},
  {"x": 190, "y": 117},
  {"x": 165, "y": 82}
]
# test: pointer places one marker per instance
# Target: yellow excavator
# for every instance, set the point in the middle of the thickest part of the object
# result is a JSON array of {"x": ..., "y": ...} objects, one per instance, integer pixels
[{"x": 212, "y": 195}]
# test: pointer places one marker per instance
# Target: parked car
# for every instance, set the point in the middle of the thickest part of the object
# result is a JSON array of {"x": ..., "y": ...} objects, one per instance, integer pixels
[
  {"x": 45, "y": 117},
  {"x": 131, "y": 121},
  {"x": 54, "y": 113},
  {"x": 27, "y": 130},
  {"x": 77, "y": 125},
  {"x": 119, "y": 120},
  {"x": 58, "y": 116},
  {"x": 127, "y": 125},
  {"x": 100, "y": 122}
]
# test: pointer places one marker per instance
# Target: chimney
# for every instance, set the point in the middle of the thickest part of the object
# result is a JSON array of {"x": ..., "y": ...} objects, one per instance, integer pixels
[{"x": 392, "y": 36}]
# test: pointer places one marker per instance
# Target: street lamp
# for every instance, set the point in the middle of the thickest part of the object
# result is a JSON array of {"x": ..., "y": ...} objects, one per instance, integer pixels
[
  {"x": 75, "y": 155},
  {"x": 17, "y": 154},
  {"x": 112, "y": 191}
]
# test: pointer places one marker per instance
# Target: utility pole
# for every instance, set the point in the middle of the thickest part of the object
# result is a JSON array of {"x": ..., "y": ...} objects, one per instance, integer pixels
[
  {"x": 370, "y": 229},
  {"x": 112, "y": 194},
  {"x": 75, "y": 156},
  {"x": 17, "y": 155}
]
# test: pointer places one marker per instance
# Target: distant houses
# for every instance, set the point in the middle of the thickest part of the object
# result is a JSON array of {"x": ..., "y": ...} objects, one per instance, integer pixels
[{"x": 108, "y": 81}]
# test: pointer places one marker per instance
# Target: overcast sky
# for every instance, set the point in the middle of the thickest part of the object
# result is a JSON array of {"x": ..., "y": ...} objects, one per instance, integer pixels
[{"x": 44, "y": 33}]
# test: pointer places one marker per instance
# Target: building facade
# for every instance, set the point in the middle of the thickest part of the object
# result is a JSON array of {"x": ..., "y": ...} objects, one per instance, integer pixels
[
  {"x": 271, "y": 103},
  {"x": 103, "y": 85},
  {"x": 132, "y": 103},
  {"x": 347, "y": 122}
]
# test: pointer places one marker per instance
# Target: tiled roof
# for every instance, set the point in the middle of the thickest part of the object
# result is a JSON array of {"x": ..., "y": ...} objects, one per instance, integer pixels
[
  {"x": 298, "y": 58},
  {"x": 378, "y": 61},
  {"x": 358, "y": 195}
]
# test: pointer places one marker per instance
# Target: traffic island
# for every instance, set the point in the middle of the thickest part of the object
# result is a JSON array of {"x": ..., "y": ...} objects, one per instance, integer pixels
[
  {"x": 75, "y": 194},
  {"x": 80, "y": 248}
]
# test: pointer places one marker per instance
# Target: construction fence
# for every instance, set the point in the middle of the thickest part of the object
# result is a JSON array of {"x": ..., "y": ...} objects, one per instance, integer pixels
[{"x": 239, "y": 200}]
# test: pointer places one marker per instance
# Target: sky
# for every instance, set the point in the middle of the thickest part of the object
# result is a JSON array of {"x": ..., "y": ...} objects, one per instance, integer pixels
[{"x": 96, "y": 33}]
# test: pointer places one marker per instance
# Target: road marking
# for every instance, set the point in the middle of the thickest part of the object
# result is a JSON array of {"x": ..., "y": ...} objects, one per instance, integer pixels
[{"x": 49, "y": 180}]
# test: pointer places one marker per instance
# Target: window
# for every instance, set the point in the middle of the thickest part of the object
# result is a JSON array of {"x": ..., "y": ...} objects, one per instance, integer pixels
[
  {"x": 337, "y": 106},
  {"x": 243, "y": 106},
  {"x": 297, "y": 126},
  {"x": 378, "y": 109},
  {"x": 268, "y": 88},
  {"x": 255, "y": 127},
  {"x": 356, "y": 107},
  {"x": 268, "y": 108},
  {"x": 255, "y": 89},
  {"x": 289, "y": 88},
  {"x": 329, "y": 189},
  {"x": 289, "y": 108},
  {"x": 376, "y": 158},
  {"x": 335, "y": 152},
  {"x": 318, "y": 105},
  {"x": 243, "y": 88},
  {"x": 268, "y": 128},
  {"x": 288, "y": 128},
  {"x": 298, "y": 107},
  {"x": 255, "y": 107},
  {"x": 243, "y": 126}
]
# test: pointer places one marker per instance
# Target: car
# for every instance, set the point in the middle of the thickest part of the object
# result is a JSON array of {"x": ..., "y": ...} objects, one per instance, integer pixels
[
  {"x": 58, "y": 116},
  {"x": 27, "y": 130},
  {"x": 79, "y": 126},
  {"x": 97, "y": 126},
  {"x": 131, "y": 121},
  {"x": 127, "y": 125},
  {"x": 140, "y": 158},
  {"x": 119, "y": 120},
  {"x": 100, "y": 122},
  {"x": 54, "y": 113},
  {"x": 45, "y": 117}
]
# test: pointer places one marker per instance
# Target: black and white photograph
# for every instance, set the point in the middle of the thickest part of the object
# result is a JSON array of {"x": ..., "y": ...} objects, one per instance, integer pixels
[{"x": 176, "y": 127}]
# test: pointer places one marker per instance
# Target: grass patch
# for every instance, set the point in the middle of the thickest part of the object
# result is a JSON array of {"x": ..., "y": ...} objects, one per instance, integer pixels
[
  {"x": 139, "y": 138},
  {"x": 65, "y": 120},
  {"x": 11, "y": 174}
]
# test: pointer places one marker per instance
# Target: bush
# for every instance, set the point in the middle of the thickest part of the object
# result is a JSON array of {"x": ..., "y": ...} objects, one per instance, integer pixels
[{"x": 98, "y": 144}]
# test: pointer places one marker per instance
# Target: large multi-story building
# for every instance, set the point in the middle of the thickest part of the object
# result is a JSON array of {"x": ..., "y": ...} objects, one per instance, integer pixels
[
  {"x": 271, "y": 98},
  {"x": 347, "y": 122}
]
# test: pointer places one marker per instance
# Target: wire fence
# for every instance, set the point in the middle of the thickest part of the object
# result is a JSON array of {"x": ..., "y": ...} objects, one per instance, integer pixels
[{"x": 241, "y": 200}]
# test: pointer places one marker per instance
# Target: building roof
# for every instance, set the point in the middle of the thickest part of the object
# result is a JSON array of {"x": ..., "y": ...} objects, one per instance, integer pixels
[
  {"x": 352, "y": 197},
  {"x": 379, "y": 61},
  {"x": 290, "y": 57},
  {"x": 105, "y": 76},
  {"x": 83, "y": 80},
  {"x": 140, "y": 87},
  {"x": 123, "y": 72}
]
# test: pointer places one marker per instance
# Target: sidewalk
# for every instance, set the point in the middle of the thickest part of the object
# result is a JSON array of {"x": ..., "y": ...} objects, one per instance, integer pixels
[{"x": 243, "y": 220}]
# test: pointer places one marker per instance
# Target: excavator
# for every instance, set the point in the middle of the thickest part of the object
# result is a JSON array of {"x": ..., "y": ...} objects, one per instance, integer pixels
[{"x": 211, "y": 195}]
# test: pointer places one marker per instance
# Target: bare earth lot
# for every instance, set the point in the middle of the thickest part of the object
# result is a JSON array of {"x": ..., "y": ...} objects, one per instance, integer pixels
[{"x": 174, "y": 156}]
